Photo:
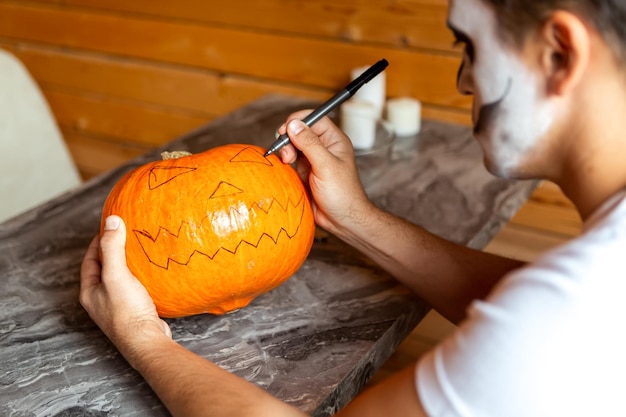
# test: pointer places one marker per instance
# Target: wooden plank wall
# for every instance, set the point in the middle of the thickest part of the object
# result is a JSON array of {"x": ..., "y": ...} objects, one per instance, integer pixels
[{"x": 124, "y": 76}]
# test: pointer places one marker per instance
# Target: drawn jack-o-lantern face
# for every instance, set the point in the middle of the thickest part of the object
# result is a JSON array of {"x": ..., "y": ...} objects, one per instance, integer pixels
[{"x": 208, "y": 233}]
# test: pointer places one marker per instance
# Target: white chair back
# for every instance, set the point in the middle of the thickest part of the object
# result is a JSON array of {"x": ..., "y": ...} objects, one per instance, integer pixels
[{"x": 35, "y": 164}]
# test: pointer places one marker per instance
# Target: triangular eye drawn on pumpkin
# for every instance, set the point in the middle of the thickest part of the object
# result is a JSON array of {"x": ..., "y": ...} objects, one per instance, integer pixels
[
  {"x": 225, "y": 189},
  {"x": 251, "y": 155},
  {"x": 162, "y": 175}
]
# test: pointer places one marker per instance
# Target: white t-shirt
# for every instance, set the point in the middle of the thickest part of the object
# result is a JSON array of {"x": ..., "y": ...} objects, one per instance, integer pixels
[{"x": 548, "y": 341}]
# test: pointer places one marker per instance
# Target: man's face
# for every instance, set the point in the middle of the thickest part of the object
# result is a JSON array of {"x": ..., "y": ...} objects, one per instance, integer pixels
[{"x": 509, "y": 113}]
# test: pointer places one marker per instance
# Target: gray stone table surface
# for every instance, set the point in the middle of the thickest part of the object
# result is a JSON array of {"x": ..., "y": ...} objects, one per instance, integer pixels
[{"x": 312, "y": 342}]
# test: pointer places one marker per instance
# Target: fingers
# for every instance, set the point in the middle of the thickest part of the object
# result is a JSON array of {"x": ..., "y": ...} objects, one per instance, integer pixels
[
  {"x": 300, "y": 114},
  {"x": 166, "y": 328},
  {"x": 90, "y": 267},
  {"x": 324, "y": 138},
  {"x": 113, "y": 243},
  {"x": 309, "y": 143},
  {"x": 324, "y": 128},
  {"x": 303, "y": 168},
  {"x": 288, "y": 154}
]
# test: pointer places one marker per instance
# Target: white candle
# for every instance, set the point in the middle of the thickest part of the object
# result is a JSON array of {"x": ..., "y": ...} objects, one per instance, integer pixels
[
  {"x": 358, "y": 121},
  {"x": 374, "y": 91},
  {"x": 404, "y": 115}
]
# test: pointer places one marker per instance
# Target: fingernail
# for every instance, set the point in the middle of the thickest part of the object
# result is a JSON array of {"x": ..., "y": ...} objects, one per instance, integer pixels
[
  {"x": 295, "y": 126},
  {"x": 282, "y": 128},
  {"x": 111, "y": 223}
]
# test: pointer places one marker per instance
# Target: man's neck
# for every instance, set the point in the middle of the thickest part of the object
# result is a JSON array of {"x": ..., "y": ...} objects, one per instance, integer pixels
[{"x": 597, "y": 170}]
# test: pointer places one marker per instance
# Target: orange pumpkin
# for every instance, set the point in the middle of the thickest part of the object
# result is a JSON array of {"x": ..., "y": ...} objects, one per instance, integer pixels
[{"x": 207, "y": 233}]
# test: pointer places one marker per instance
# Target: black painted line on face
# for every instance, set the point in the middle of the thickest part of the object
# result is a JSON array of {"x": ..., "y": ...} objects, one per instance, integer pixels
[
  {"x": 458, "y": 76},
  {"x": 488, "y": 112}
]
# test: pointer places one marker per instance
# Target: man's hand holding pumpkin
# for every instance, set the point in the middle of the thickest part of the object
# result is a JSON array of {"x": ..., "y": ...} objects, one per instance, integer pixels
[{"x": 115, "y": 300}]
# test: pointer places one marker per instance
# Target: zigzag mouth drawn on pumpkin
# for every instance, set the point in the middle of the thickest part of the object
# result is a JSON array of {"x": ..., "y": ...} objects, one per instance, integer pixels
[{"x": 164, "y": 238}]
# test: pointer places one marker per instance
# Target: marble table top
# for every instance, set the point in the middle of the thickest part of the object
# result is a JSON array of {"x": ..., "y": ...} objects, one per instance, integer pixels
[{"x": 312, "y": 342}]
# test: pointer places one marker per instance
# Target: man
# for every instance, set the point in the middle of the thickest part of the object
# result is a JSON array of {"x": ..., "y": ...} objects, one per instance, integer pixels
[{"x": 549, "y": 86}]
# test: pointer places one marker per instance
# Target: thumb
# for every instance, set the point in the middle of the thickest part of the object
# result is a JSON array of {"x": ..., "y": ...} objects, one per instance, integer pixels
[
  {"x": 166, "y": 328},
  {"x": 113, "y": 244},
  {"x": 308, "y": 142}
]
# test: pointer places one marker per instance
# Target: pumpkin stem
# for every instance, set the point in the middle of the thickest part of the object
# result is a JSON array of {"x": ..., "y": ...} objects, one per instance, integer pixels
[{"x": 174, "y": 154}]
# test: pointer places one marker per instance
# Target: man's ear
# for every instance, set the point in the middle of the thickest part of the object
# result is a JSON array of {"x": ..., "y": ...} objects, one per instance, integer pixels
[{"x": 566, "y": 50}]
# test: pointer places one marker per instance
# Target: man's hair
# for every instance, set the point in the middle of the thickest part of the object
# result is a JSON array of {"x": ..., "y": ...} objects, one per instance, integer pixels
[{"x": 608, "y": 17}]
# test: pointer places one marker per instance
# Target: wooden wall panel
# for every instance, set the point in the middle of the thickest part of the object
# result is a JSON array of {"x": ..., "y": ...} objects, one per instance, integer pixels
[
  {"x": 131, "y": 75},
  {"x": 124, "y": 120},
  {"x": 96, "y": 154},
  {"x": 225, "y": 50},
  {"x": 191, "y": 89},
  {"x": 403, "y": 23}
]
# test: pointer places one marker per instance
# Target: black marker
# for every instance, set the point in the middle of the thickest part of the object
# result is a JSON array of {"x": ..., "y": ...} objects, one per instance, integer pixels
[{"x": 333, "y": 102}]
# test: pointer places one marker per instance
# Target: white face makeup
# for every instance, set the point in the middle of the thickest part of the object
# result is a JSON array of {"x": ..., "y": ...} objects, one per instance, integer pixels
[{"x": 510, "y": 116}]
